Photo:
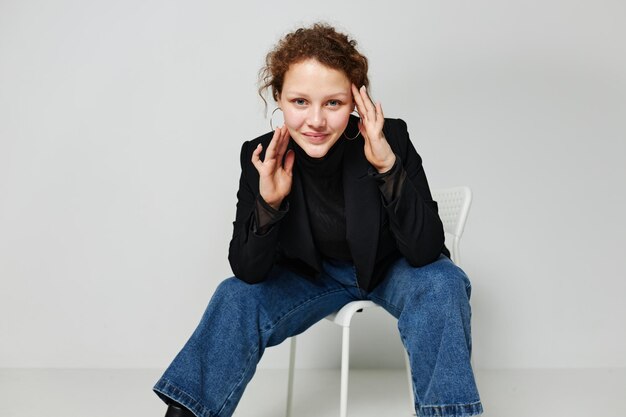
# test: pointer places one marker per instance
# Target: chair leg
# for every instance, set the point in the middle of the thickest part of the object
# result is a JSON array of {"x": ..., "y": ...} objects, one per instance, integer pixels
[
  {"x": 292, "y": 363},
  {"x": 410, "y": 380},
  {"x": 345, "y": 366}
]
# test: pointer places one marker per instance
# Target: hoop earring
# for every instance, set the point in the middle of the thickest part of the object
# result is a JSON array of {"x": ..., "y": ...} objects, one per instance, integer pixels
[
  {"x": 358, "y": 131},
  {"x": 274, "y": 111},
  {"x": 347, "y": 138}
]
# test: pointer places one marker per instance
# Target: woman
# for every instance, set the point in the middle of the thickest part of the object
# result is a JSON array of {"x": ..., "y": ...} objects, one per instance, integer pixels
[{"x": 331, "y": 208}]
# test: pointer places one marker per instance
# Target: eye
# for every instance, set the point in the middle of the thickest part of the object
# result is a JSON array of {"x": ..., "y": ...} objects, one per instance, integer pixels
[
  {"x": 334, "y": 103},
  {"x": 299, "y": 101}
]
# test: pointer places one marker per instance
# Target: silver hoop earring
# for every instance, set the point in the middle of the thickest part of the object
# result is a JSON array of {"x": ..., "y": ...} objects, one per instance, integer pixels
[
  {"x": 272, "y": 116},
  {"x": 358, "y": 131},
  {"x": 347, "y": 138}
]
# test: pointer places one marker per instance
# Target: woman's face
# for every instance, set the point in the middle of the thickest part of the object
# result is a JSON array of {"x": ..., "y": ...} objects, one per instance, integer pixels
[{"x": 316, "y": 101}]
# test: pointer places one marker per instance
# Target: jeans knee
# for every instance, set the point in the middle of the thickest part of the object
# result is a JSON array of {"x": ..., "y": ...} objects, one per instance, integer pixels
[
  {"x": 230, "y": 286},
  {"x": 448, "y": 286},
  {"x": 235, "y": 294}
]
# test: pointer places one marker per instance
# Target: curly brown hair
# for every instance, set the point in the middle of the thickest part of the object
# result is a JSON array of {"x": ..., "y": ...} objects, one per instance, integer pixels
[{"x": 321, "y": 42}]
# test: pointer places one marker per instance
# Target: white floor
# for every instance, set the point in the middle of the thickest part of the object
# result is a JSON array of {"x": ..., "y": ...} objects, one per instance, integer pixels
[{"x": 373, "y": 393}]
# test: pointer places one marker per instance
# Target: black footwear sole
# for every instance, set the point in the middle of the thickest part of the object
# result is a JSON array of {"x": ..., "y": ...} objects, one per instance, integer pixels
[{"x": 177, "y": 410}]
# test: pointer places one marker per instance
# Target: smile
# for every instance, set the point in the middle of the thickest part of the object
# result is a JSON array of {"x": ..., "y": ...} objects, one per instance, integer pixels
[{"x": 316, "y": 137}]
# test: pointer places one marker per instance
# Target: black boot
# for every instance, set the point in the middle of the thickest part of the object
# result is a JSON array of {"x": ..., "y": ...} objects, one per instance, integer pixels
[{"x": 176, "y": 410}]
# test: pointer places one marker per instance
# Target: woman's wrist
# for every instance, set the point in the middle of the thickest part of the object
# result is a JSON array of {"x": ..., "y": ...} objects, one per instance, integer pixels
[
  {"x": 388, "y": 166},
  {"x": 275, "y": 204}
]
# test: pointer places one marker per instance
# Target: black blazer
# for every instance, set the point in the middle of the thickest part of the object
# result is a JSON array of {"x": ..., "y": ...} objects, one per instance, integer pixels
[{"x": 377, "y": 233}]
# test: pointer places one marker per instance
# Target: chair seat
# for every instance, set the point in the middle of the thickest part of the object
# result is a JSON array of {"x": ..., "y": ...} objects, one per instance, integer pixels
[{"x": 343, "y": 316}]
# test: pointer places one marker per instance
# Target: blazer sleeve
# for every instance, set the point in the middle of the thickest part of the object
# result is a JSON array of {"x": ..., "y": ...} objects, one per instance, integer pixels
[
  {"x": 413, "y": 214},
  {"x": 251, "y": 254}
]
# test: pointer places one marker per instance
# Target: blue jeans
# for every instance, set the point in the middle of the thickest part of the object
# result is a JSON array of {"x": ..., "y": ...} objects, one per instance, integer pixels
[{"x": 431, "y": 303}]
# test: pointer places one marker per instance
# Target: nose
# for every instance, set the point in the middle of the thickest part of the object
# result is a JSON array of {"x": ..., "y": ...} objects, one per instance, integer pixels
[{"x": 316, "y": 117}]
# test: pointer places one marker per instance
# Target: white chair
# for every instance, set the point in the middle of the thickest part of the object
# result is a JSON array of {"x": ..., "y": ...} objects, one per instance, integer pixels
[{"x": 454, "y": 204}]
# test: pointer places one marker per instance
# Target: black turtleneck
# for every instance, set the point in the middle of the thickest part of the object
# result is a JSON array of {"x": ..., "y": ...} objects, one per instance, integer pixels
[{"x": 322, "y": 183}]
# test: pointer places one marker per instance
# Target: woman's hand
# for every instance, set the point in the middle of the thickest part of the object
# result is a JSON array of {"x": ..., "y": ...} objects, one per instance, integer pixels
[
  {"x": 275, "y": 178},
  {"x": 377, "y": 149}
]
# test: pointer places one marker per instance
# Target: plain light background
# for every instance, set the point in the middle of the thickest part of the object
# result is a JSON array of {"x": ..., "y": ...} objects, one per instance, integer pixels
[{"x": 120, "y": 129}]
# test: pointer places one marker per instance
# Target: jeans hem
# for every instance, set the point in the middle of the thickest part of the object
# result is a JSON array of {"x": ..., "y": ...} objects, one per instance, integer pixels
[
  {"x": 166, "y": 389},
  {"x": 451, "y": 410}
]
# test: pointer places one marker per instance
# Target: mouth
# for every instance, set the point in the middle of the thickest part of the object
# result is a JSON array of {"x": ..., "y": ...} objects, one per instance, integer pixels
[{"x": 315, "y": 137}]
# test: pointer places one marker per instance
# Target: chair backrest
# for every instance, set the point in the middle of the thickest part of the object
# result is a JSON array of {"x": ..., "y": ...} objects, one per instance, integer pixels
[{"x": 454, "y": 204}]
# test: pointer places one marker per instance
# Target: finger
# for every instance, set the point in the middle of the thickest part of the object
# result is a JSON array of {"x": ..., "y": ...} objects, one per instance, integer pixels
[
  {"x": 283, "y": 143},
  {"x": 256, "y": 160},
  {"x": 270, "y": 153},
  {"x": 355, "y": 93},
  {"x": 280, "y": 148},
  {"x": 365, "y": 105},
  {"x": 360, "y": 105},
  {"x": 289, "y": 160},
  {"x": 380, "y": 116},
  {"x": 367, "y": 102}
]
